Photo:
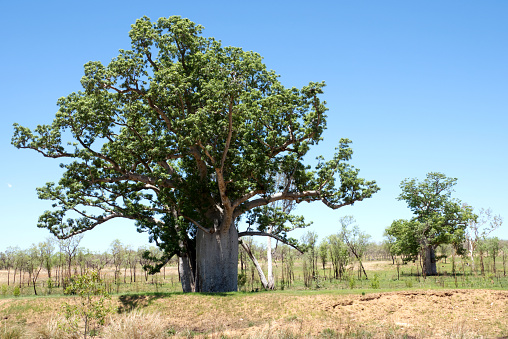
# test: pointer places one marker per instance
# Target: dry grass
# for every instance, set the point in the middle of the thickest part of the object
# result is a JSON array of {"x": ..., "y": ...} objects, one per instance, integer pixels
[
  {"x": 136, "y": 325},
  {"x": 54, "y": 329},
  {"x": 403, "y": 314}
]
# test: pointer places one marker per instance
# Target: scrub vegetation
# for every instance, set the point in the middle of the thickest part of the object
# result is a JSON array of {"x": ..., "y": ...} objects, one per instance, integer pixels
[{"x": 310, "y": 298}]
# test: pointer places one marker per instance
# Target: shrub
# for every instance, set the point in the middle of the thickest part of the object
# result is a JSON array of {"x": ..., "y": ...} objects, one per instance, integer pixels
[
  {"x": 242, "y": 280},
  {"x": 375, "y": 281},
  {"x": 4, "y": 290},
  {"x": 49, "y": 285},
  {"x": 16, "y": 291},
  {"x": 352, "y": 282}
]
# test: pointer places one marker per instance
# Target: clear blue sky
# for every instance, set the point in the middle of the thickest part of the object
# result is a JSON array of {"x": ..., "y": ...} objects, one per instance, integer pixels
[{"x": 418, "y": 87}]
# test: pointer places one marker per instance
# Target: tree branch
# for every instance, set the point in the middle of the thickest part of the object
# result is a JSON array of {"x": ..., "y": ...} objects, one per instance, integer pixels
[
  {"x": 275, "y": 197},
  {"x": 230, "y": 133},
  {"x": 264, "y": 234}
]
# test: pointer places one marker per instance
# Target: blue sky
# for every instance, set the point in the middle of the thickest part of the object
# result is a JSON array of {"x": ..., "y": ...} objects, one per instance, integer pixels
[{"x": 418, "y": 87}]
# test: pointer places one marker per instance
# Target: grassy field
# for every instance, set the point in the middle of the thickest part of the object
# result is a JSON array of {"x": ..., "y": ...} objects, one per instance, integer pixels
[
  {"x": 280, "y": 314},
  {"x": 404, "y": 305}
]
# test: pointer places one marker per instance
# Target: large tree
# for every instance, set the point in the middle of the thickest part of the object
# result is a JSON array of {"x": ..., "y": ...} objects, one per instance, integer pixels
[
  {"x": 184, "y": 135},
  {"x": 438, "y": 219}
]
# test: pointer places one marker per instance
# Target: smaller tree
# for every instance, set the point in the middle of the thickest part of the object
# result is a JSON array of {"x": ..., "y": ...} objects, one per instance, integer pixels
[
  {"x": 35, "y": 263},
  {"x": 69, "y": 247},
  {"x": 323, "y": 253},
  {"x": 438, "y": 219},
  {"x": 493, "y": 246},
  {"x": 309, "y": 243},
  {"x": 20, "y": 264},
  {"x": 339, "y": 255},
  {"x": 10, "y": 258},
  {"x": 388, "y": 246},
  {"x": 92, "y": 307},
  {"x": 356, "y": 240},
  {"x": 479, "y": 228},
  {"x": 47, "y": 250},
  {"x": 117, "y": 254}
]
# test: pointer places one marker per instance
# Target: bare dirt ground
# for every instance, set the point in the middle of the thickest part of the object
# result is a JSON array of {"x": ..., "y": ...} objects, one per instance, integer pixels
[{"x": 422, "y": 314}]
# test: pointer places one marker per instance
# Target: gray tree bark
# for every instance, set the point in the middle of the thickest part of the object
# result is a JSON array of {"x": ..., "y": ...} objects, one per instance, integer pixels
[
  {"x": 187, "y": 276},
  {"x": 217, "y": 261},
  {"x": 430, "y": 261}
]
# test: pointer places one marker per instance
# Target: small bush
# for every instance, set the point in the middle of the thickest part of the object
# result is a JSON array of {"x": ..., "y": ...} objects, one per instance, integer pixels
[
  {"x": 242, "y": 280},
  {"x": 16, "y": 292},
  {"x": 4, "y": 290},
  {"x": 50, "y": 285},
  {"x": 375, "y": 282},
  {"x": 409, "y": 283},
  {"x": 352, "y": 282}
]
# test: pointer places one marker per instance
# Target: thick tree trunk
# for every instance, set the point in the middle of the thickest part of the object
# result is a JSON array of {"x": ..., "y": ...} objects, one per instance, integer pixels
[
  {"x": 217, "y": 261},
  {"x": 187, "y": 274},
  {"x": 430, "y": 261}
]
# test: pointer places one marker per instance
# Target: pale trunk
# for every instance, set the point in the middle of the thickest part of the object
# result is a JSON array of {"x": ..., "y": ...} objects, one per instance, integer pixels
[
  {"x": 271, "y": 280},
  {"x": 217, "y": 261},
  {"x": 471, "y": 254},
  {"x": 256, "y": 265}
]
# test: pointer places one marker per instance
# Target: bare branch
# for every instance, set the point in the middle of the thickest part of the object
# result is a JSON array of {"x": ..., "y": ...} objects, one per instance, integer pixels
[
  {"x": 92, "y": 226},
  {"x": 198, "y": 225},
  {"x": 212, "y": 160},
  {"x": 336, "y": 206},
  {"x": 246, "y": 197},
  {"x": 264, "y": 234},
  {"x": 199, "y": 162},
  {"x": 275, "y": 197},
  {"x": 47, "y": 155},
  {"x": 139, "y": 178}
]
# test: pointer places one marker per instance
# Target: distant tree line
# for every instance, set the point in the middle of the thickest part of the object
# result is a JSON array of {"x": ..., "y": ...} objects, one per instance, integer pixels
[{"x": 62, "y": 259}]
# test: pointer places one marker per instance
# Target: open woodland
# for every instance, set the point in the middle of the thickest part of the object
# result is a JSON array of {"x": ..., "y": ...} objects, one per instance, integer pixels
[
  {"x": 310, "y": 299},
  {"x": 205, "y": 147}
]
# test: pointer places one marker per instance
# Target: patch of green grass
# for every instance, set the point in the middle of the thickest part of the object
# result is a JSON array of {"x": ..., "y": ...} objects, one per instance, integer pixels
[{"x": 8, "y": 331}]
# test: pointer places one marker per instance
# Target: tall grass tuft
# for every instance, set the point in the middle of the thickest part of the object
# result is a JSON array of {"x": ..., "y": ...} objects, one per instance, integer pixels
[
  {"x": 14, "y": 332},
  {"x": 136, "y": 325},
  {"x": 55, "y": 329}
]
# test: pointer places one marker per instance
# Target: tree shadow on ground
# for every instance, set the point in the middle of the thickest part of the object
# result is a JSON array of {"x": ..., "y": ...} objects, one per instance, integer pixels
[{"x": 129, "y": 302}]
